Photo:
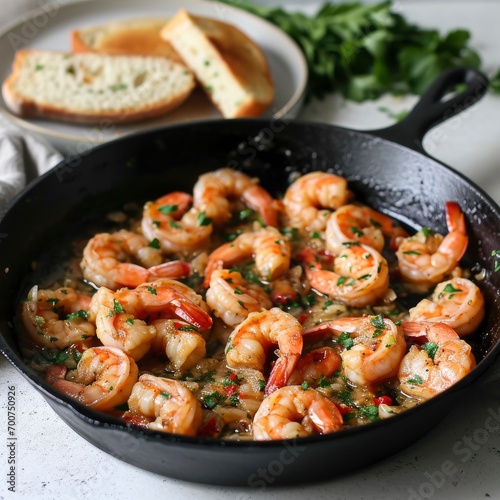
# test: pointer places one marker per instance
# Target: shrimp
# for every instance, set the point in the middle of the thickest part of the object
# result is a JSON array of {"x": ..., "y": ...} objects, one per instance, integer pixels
[
  {"x": 232, "y": 298},
  {"x": 107, "y": 261},
  {"x": 362, "y": 224},
  {"x": 180, "y": 341},
  {"x": 168, "y": 405},
  {"x": 57, "y": 318},
  {"x": 213, "y": 192},
  {"x": 441, "y": 362},
  {"x": 458, "y": 303},
  {"x": 250, "y": 341},
  {"x": 426, "y": 258},
  {"x": 316, "y": 364},
  {"x": 175, "y": 225},
  {"x": 310, "y": 199},
  {"x": 374, "y": 347},
  {"x": 172, "y": 299},
  {"x": 104, "y": 378},
  {"x": 119, "y": 316},
  {"x": 360, "y": 275},
  {"x": 292, "y": 412},
  {"x": 270, "y": 249},
  {"x": 118, "y": 324}
]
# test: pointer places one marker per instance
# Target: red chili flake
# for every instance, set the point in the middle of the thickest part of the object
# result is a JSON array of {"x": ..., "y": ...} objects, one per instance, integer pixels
[
  {"x": 326, "y": 257},
  {"x": 344, "y": 409},
  {"x": 231, "y": 389},
  {"x": 385, "y": 400},
  {"x": 302, "y": 318},
  {"x": 209, "y": 428}
]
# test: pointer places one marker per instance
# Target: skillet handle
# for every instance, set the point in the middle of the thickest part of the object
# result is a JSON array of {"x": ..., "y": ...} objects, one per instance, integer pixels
[{"x": 431, "y": 109}]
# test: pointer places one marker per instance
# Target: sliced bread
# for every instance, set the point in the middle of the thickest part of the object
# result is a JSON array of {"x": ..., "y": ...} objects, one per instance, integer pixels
[
  {"x": 228, "y": 64},
  {"x": 129, "y": 36},
  {"x": 91, "y": 88}
]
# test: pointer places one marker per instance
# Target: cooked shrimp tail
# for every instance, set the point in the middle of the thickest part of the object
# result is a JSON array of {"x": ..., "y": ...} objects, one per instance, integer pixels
[
  {"x": 132, "y": 275},
  {"x": 158, "y": 298}
]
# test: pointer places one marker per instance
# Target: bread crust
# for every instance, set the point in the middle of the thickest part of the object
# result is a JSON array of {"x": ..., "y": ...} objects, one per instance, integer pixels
[
  {"x": 130, "y": 36},
  {"x": 30, "y": 108}
]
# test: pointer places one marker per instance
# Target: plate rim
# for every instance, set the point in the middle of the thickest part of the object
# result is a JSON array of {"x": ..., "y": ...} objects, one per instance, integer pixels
[{"x": 295, "y": 100}]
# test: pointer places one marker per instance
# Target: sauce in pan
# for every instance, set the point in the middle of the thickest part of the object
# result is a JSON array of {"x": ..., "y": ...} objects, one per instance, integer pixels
[{"x": 227, "y": 313}]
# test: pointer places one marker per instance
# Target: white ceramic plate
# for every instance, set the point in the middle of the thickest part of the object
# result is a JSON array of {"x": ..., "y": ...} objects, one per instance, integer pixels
[{"x": 49, "y": 28}]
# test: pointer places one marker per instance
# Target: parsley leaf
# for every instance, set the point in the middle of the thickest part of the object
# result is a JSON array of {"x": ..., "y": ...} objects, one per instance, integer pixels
[
  {"x": 345, "y": 340},
  {"x": 430, "y": 348},
  {"x": 366, "y": 50}
]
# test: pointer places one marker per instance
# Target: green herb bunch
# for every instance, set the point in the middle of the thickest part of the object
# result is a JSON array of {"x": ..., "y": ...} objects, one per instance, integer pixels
[{"x": 366, "y": 50}]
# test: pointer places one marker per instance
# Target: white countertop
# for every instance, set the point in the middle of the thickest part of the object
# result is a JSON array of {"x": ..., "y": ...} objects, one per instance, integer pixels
[{"x": 459, "y": 459}]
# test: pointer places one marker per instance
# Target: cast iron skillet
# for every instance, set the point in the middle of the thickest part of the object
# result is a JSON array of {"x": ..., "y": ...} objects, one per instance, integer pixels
[{"x": 394, "y": 178}]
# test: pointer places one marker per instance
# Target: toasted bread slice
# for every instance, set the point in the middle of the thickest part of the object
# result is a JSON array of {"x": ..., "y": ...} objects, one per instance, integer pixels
[
  {"x": 126, "y": 37},
  {"x": 230, "y": 66},
  {"x": 94, "y": 88}
]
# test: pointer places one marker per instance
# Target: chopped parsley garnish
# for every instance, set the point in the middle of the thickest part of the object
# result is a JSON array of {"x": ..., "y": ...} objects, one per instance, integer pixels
[
  {"x": 327, "y": 304},
  {"x": 356, "y": 231},
  {"x": 496, "y": 255},
  {"x": 370, "y": 412},
  {"x": 411, "y": 252},
  {"x": 208, "y": 376},
  {"x": 430, "y": 348},
  {"x": 378, "y": 323},
  {"x": 188, "y": 328},
  {"x": 416, "y": 380},
  {"x": 203, "y": 220},
  {"x": 78, "y": 314},
  {"x": 245, "y": 214},
  {"x": 449, "y": 288},
  {"x": 166, "y": 395},
  {"x": 154, "y": 243},
  {"x": 324, "y": 381},
  {"x": 152, "y": 290},
  {"x": 168, "y": 209},
  {"x": 117, "y": 307},
  {"x": 174, "y": 224},
  {"x": 262, "y": 385},
  {"x": 304, "y": 386},
  {"x": 345, "y": 340},
  {"x": 212, "y": 400}
]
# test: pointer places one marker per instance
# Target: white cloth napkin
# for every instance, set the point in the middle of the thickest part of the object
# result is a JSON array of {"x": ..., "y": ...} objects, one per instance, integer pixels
[{"x": 23, "y": 157}]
